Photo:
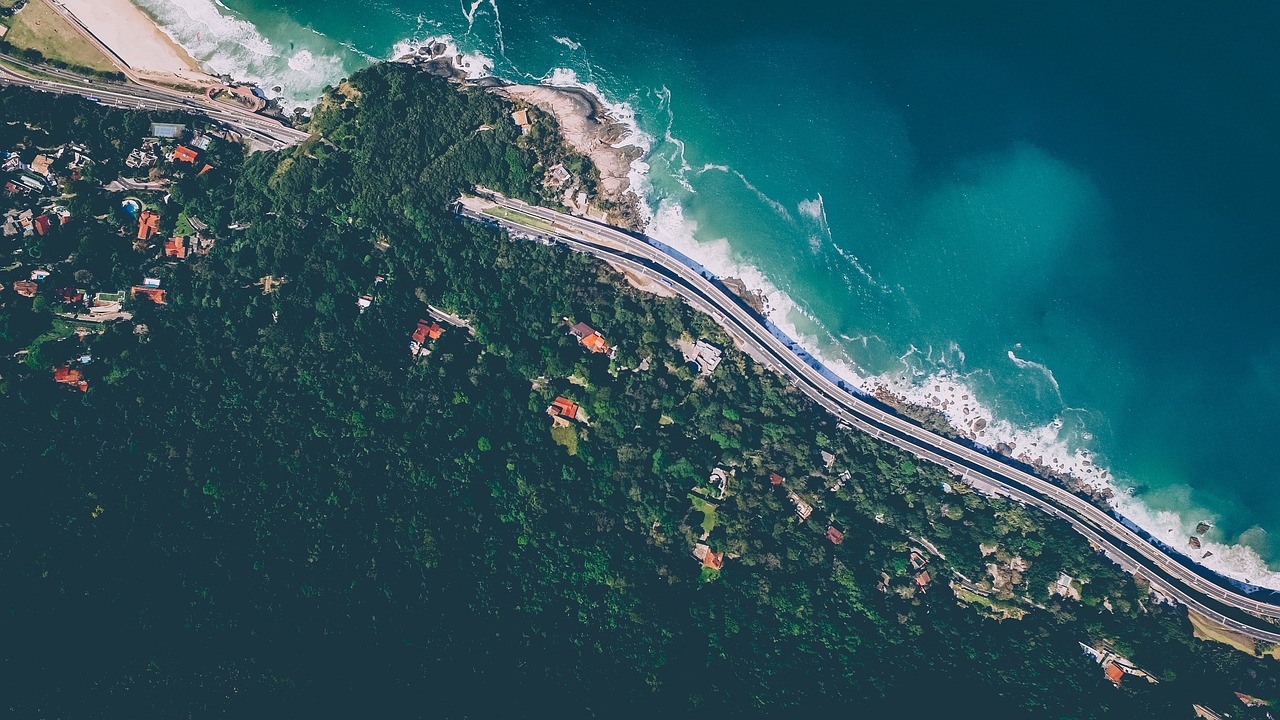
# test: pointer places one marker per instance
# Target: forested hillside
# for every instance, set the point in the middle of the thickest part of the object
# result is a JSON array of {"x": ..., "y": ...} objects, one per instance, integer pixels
[{"x": 265, "y": 505}]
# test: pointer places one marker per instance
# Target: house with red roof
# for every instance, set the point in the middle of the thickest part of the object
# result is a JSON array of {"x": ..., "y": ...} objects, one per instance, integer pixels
[
  {"x": 563, "y": 407},
  {"x": 68, "y": 375},
  {"x": 71, "y": 296},
  {"x": 26, "y": 288},
  {"x": 182, "y": 153},
  {"x": 148, "y": 224},
  {"x": 154, "y": 294},
  {"x": 589, "y": 338},
  {"x": 175, "y": 247},
  {"x": 923, "y": 579},
  {"x": 42, "y": 224},
  {"x": 835, "y": 536},
  {"x": 775, "y": 479},
  {"x": 713, "y": 560},
  {"x": 1115, "y": 673}
]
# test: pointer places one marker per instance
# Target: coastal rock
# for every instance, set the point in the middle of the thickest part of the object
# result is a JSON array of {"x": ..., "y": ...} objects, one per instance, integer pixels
[
  {"x": 1202, "y": 528},
  {"x": 1194, "y": 542},
  {"x": 588, "y": 128}
]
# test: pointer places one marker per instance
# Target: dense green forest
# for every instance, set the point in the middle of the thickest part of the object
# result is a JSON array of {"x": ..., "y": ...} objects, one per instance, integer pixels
[{"x": 264, "y": 505}]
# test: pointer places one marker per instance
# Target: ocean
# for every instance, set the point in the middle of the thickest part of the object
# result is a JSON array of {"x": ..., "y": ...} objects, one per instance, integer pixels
[{"x": 1057, "y": 222}]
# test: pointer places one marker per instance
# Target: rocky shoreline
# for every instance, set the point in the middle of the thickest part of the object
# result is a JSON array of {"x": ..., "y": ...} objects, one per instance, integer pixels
[{"x": 584, "y": 122}]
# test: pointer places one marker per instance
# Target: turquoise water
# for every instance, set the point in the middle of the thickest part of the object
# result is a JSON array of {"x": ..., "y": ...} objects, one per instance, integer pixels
[{"x": 1067, "y": 210}]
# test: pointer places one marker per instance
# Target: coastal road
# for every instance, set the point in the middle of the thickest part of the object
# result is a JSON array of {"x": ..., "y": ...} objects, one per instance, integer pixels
[
  {"x": 1133, "y": 552},
  {"x": 264, "y": 132}
]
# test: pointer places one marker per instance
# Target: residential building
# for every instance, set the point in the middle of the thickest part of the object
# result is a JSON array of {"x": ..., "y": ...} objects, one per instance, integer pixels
[
  {"x": 148, "y": 224},
  {"x": 775, "y": 479},
  {"x": 363, "y": 302},
  {"x": 182, "y": 153},
  {"x": 154, "y": 294},
  {"x": 68, "y": 375},
  {"x": 26, "y": 288},
  {"x": 707, "y": 357},
  {"x": 151, "y": 282},
  {"x": 563, "y": 407},
  {"x": 713, "y": 560},
  {"x": 719, "y": 483},
  {"x": 39, "y": 274},
  {"x": 835, "y": 536},
  {"x": 175, "y": 247},
  {"x": 589, "y": 338},
  {"x": 803, "y": 509},
  {"x": 521, "y": 118},
  {"x": 41, "y": 224},
  {"x": 923, "y": 579},
  {"x": 1114, "y": 673},
  {"x": 40, "y": 165}
]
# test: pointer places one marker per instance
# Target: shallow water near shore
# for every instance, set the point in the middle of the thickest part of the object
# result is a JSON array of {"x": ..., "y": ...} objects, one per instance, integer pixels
[{"x": 1058, "y": 219}]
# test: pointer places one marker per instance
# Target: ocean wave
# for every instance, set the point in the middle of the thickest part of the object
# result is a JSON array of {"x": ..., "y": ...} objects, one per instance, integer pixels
[
  {"x": 226, "y": 44},
  {"x": 567, "y": 42},
  {"x": 1040, "y": 367}
]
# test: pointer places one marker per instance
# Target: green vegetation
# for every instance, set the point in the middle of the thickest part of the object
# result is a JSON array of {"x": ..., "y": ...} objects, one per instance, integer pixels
[
  {"x": 566, "y": 436},
  {"x": 708, "y": 513},
  {"x": 39, "y": 29},
  {"x": 519, "y": 217},
  {"x": 264, "y": 506}
]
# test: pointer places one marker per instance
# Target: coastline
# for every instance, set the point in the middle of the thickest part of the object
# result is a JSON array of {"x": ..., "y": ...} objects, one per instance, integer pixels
[
  {"x": 588, "y": 126},
  {"x": 136, "y": 39},
  {"x": 585, "y": 122}
]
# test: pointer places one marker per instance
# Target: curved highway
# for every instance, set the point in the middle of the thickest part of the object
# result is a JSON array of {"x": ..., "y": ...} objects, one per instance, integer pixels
[
  {"x": 1130, "y": 550},
  {"x": 263, "y": 131}
]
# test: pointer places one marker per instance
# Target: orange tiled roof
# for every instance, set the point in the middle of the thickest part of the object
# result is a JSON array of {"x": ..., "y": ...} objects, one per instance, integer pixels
[
  {"x": 182, "y": 153},
  {"x": 713, "y": 560},
  {"x": 835, "y": 536},
  {"x": 595, "y": 343},
  {"x": 175, "y": 247},
  {"x": 565, "y": 407},
  {"x": 148, "y": 224},
  {"x": 1114, "y": 673},
  {"x": 155, "y": 295}
]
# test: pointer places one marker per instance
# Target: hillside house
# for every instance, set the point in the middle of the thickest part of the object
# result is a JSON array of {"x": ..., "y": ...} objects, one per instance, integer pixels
[
  {"x": 148, "y": 224},
  {"x": 521, "y": 118},
  {"x": 182, "y": 153},
  {"x": 775, "y": 479},
  {"x": 26, "y": 288},
  {"x": 563, "y": 407},
  {"x": 364, "y": 302},
  {"x": 589, "y": 338},
  {"x": 40, "y": 165},
  {"x": 713, "y": 560},
  {"x": 175, "y": 247},
  {"x": 42, "y": 224},
  {"x": 803, "y": 509},
  {"x": 68, "y": 375},
  {"x": 835, "y": 536},
  {"x": 154, "y": 294},
  {"x": 39, "y": 274},
  {"x": 420, "y": 336}
]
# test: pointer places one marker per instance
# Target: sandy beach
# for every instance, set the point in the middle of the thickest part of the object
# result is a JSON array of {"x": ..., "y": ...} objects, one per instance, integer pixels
[{"x": 136, "y": 40}]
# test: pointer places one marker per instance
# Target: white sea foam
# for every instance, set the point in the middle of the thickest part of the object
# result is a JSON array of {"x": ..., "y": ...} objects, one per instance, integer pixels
[
  {"x": 473, "y": 65},
  {"x": 226, "y": 44},
  {"x": 1032, "y": 365},
  {"x": 567, "y": 42}
]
